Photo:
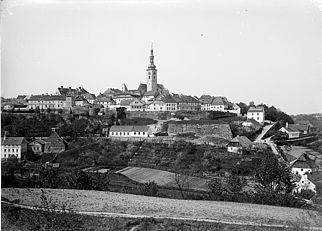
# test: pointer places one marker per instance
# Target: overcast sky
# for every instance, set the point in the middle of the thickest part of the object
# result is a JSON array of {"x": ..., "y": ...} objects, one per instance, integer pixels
[{"x": 247, "y": 50}]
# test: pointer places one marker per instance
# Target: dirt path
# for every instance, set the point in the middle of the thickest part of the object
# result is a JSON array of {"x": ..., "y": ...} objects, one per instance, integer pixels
[{"x": 118, "y": 204}]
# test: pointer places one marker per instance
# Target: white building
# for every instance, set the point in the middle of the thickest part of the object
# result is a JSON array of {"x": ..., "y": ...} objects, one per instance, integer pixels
[
  {"x": 130, "y": 132},
  {"x": 47, "y": 101},
  {"x": 13, "y": 147},
  {"x": 302, "y": 165},
  {"x": 256, "y": 113}
]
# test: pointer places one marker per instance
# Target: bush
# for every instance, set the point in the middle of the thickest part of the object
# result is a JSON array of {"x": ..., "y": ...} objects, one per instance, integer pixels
[{"x": 149, "y": 189}]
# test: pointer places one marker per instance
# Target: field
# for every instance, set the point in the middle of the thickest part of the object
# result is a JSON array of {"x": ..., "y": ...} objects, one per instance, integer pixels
[
  {"x": 118, "y": 203},
  {"x": 163, "y": 178}
]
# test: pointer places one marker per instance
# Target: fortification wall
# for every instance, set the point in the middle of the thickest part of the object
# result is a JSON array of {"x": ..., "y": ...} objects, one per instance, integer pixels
[{"x": 201, "y": 129}]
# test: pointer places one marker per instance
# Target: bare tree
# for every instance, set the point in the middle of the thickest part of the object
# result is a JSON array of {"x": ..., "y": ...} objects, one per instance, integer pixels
[{"x": 182, "y": 182}]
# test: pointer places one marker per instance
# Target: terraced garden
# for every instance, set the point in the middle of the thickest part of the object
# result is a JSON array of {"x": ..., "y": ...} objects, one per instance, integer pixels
[{"x": 162, "y": 178}]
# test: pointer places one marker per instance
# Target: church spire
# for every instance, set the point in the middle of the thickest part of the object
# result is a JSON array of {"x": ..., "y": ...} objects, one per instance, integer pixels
[{"x": 151, "y": 58}]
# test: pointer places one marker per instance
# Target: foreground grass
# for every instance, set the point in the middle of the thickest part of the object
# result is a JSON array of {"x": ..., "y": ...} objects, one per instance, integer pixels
[{"x": 225, "y": 212}]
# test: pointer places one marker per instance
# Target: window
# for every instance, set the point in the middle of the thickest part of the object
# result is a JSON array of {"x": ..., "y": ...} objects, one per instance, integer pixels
[
  {"x": 134, "y": 133},
  {"x": 5, "y": 150},
  {"x": 143, "y": 133},
  {"x": 301, "y": 169},
  {"x": 17, "y": 150},
  {"x": 128, "y": 133}
]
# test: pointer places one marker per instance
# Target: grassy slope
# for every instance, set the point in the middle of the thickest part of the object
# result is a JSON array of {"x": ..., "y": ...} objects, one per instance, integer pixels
[{"x": 82, "y": 200}]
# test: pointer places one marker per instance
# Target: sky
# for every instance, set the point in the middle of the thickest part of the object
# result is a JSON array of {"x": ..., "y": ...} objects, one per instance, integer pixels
[{"x": 246, "y": 50}]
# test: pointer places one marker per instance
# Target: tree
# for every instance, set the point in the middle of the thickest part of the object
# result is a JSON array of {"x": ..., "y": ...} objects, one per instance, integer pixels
[
  {"x": 235, "y": 183},
  {"x": 272, "y": 175},
  {"x": 182, "y": 182}
]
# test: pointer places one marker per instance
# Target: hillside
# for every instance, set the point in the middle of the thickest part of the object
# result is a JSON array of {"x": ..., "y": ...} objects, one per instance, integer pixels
[{"x": 118, "y": 203}]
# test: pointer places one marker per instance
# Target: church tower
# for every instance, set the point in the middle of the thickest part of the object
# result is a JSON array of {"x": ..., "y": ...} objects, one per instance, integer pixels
[{"x": 151, "y": 74}]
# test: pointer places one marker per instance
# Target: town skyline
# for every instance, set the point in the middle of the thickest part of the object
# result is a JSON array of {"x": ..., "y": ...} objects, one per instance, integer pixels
[{"x": 240, "y": 59}]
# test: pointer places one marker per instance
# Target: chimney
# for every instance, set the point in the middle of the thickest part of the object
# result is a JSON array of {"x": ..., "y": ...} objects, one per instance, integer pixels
[
  {"x": 286, "y": 125},
  {"x": 5, "y": 135}
]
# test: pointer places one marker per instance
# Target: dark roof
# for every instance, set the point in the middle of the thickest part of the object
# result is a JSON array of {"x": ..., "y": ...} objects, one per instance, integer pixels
[
  {"x": 112, "y": 91},
  {"x": 80, "y": 98},
  {"x": 73, "y": 91},
  {"x": 304, "y": 161},
  {"x": 89, "y": 96},
  {"x": 243, "y": 141},
  {"x": 206, "y": 99},
  {"x": 47, "y": 97},
  {"x": 55, "y": 139},
  {"x": 315, "y": 177},
  {"x": 37, "y": 141},
  {"x": 185, "y": 99},
  {"x": 13, "y": 141},
  {"x": 298, "y": 127},
  {"x": 219, "y": 100},
  {"x": 126, "y": 102},
  {"x": 168, "y": 99},
  {"x": 129, "y": 128},
  {"x": 102, "y": 98},
  {"x": 151, "y": 93},
  {"x": 142, "y": 87}
]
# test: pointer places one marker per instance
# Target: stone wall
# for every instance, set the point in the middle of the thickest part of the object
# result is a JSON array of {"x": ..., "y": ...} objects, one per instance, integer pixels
[
  {"x": 200, "y": 129},
  {"x": 193, "y": 115}
]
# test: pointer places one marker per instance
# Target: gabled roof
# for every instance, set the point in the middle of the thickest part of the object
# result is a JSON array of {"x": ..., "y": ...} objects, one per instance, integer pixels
[
  {"x": 89, "y": 96},
  {"x": 242, "y": 140},
  {"x": 73, "y": 91},
  {"x": 168, "y": 99},
  {"x": 304, "y": 161},
  {"x": 256, "y": 109},
  {"x": 298, "y": 127},
  {"x": 13, "y": 141},
  {"x": 151, "y": 93},
  {"x": 55, "y": 139},
  {"x": 37, "y": 141},
  {"x": 112, "y": 91},
  {"x": 103, "y": 99},
  {"x": 185, "y": 99},
  {"x": 80, "y": 98},
  {"x": 206, "y": 99},
  {"x": 47, "y": 98},
  {"x": 126, "y": 102},
  {"x": 136, "y": 102},
  {"x": 315, "y": 177},
  {"x": 219, "y": 100}
]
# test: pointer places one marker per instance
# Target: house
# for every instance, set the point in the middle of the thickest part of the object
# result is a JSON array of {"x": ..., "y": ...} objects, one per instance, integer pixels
[
  {"x": 89, "y": 97},
  {"x": 137, "y": 105},
  {"x": 187, "y": 102},
  {"x": 130, "y": 132},
  {"x": 170, "y": 103},
  {"x": 233, "y": 108},
  {"x": 219, "y": 104},
  {"x": 124, "y": 96},
  {"x": 239, "y": 144},
  {"x": 305, "y": 183},
  {"x": 13, "y": 147},
  {"x": 256, "y": 113},
  {"x": 316, "y": 179},
  {"x": 44, "y": 102},
  {"x": 126, "y": 103},
  {"x": 150, "y": 96},
  {"x": 303, "y": 164},
  {"x": 64, "y": 91},
  {"x": 105, "y": 101},
  {"x": 54, "y": 143},
  {"x": 36, "y": 146},
  {"x": 206, "y": 101},
  {"x": 251, "y": 123},
  {"x": 80, "y": 101},
  {"x": 295, "y": 130}
]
